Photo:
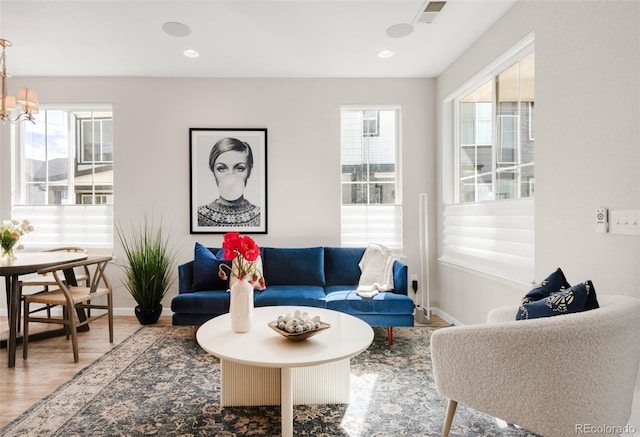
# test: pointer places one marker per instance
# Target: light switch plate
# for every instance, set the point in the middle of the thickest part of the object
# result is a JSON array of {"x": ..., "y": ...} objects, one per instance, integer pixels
[{"x": 625, "y": 222}]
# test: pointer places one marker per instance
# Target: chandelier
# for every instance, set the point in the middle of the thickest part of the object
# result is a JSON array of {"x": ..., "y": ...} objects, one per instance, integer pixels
[{"x": 27, "y": 98}]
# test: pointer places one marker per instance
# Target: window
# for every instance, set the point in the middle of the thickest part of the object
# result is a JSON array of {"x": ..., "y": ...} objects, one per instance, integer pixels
[
  {"x": 370, "y": 123},
  {"x": 497, "y": 163},
  {"x": 371, "y": 202},
  {"x": 489, "y": 183},
  {"x": 63, "y": 176},
  {"x": 475, "y": 145},
  {"x": 95, "y": 137}
]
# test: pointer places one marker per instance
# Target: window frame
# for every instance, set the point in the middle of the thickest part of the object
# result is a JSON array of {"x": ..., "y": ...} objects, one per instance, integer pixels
[
  {"x": 493, "y": 238},
  {"x": 74, "y": 156},
  {"x": 517, "y": 53},
  {"x": 80, "y": 122},
  {"x": 371, "y": 215},
  {"x": 68, "y": 224}
]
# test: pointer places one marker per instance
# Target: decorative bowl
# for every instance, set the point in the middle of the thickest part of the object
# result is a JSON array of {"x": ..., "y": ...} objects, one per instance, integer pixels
[{"x": 298, "y": 336}]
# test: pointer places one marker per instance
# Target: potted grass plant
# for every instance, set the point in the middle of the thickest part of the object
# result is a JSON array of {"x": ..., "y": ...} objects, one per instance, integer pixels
[{"x": 149, "y": 268}]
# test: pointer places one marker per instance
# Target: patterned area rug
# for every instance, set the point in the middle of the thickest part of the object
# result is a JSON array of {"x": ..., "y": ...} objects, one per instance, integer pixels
[{"x": 159, "y": 382}]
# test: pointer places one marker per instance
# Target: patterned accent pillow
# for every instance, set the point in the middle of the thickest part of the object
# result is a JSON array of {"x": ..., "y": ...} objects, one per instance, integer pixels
[
  {"x": 553, "y": 283},
  {"x": 580, "y": 297}
]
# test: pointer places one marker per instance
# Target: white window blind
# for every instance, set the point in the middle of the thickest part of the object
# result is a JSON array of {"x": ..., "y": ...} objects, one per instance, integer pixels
[
  {"x": 380, "y": 224},
  {"x": 88, "y": 226},
  {"x": 492, "y": 237}
]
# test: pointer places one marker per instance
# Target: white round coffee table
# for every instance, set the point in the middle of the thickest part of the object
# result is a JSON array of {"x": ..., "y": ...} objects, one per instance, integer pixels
[{"x": 261, "y": 367}]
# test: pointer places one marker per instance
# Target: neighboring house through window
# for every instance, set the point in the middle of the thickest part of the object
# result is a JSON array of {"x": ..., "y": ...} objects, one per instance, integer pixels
[
  {"x": 63, "y": 176},
  {"x": 495, "y": 136},
  {"x": 371, "y": 201}
]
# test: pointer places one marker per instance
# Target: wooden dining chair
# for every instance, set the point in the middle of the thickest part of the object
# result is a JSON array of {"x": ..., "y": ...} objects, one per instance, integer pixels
[
  {"x": 43, "y": 282},
  {"x": 75, "y": 300}
]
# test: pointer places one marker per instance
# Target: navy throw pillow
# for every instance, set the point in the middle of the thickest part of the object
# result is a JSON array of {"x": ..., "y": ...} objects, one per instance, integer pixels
[
  {"x": 294, "y": 266},
  {"x": 341, "y": 265},
  {"x": 205, "y": 270},
  {"x": 592, "y": 300},
  {"x": 553, "y": 283},
  {"x": 580, "y": 297}
]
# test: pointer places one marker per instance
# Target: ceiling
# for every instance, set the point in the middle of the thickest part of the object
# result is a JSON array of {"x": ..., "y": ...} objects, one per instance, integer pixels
[{"x": 238, "y": 38}]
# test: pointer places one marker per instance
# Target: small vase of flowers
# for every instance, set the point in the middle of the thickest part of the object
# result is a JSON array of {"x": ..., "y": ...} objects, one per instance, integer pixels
[
  {"x": 243, "y": 252},
  {"x": 10, "y": 233}
]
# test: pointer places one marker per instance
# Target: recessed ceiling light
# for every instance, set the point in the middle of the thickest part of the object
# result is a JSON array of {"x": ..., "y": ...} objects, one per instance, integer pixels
[
  {"x": 400, "y": 30},
  {"x": 174, "y": 28},
  {"x": 190, "y": 53},
  {"x": 385, "y": 54}
]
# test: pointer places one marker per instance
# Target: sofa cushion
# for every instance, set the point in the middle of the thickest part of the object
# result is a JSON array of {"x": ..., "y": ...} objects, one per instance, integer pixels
[
  {"x": 201, "y": 302},
  {"x": 301, "y": 295},
  {"x": 580, "y": 297},
  {"x": 553, "y": 283},
  {"x": 294, "y": 266},
  {"x": 205, "y": 269},
  {"x": 345, "y": 299},
  {"x": 341, "y": 265}
]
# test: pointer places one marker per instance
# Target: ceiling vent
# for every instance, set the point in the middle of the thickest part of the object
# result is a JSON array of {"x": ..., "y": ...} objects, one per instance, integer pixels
[{"x": 429, "y": 12}]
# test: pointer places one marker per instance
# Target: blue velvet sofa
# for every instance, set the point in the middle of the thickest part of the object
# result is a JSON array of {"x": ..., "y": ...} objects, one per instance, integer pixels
[{"x": 323, "y": 277}]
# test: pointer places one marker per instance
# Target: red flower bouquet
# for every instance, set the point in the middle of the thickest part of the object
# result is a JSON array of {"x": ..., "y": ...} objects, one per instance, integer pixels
[{"x": 243, "y": 253}]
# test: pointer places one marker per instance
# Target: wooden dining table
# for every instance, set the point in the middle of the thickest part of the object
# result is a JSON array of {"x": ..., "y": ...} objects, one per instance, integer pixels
[{"x": 23, "y": 264}]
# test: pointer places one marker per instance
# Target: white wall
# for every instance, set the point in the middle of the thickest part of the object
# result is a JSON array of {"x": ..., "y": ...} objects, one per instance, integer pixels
[
  {"x": 587, "y": 147},
  {"x": 152, "y": 118}
]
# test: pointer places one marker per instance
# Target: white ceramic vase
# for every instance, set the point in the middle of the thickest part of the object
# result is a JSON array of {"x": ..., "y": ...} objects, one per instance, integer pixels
[{"x": 241, "y": 306}]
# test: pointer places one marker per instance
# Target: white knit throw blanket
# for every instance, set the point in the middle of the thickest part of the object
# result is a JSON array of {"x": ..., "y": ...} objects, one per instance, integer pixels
[{"x": 377, "y": 270}]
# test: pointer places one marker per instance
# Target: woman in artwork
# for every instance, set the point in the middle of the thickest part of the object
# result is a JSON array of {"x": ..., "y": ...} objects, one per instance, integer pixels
[{"x": 231, "y": 162}]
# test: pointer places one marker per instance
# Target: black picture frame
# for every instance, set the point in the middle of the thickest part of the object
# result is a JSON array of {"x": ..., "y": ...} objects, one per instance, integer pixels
[{"x": 210, "y": 212}]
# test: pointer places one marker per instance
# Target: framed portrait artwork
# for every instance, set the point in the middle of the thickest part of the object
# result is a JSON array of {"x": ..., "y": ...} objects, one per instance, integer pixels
[{"x": 228, "y": 170}]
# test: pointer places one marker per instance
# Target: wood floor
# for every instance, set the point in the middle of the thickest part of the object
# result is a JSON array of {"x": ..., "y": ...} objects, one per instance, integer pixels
[
  {"x": 435, "y": 322},
  {"x": 50, "y": 362}
]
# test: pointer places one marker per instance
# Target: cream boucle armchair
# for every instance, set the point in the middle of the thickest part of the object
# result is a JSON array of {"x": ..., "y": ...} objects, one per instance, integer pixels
[{"x": 550, "y": 375}]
